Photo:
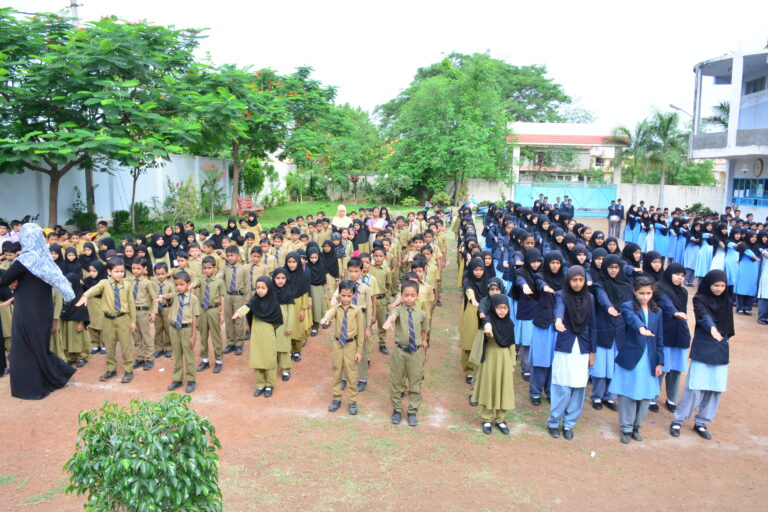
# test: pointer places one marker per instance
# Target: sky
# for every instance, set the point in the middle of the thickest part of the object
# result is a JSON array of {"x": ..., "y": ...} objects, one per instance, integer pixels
[{"x": 618, "y": 60}]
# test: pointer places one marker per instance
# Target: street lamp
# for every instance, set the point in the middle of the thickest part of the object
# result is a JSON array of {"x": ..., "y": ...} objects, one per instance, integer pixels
[{"x": 680, "y": 109}]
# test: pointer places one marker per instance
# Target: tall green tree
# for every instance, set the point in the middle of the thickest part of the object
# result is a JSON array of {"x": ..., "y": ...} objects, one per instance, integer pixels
[
  {"x": 720, "y": 114},
  {"x": 70, "y": 97},
  {"x": 634, "y": 155},
  {"x": 669, "y": 145}
]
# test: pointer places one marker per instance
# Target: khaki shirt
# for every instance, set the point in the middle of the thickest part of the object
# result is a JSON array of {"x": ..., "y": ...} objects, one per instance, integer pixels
[
  {"x": 254, "y": 273},
  {"x": 355, "y": 323},
  {"x": 383, "y": 278},
  {"x": 372, "y": 283},
  {"x": 363, "y": 297},
  {"x": 241, "y": 278},
  {"x": 143, "y": 295},
  {"x": 420, "y": 324},
  {"x": 216, "y": 291},
  {"x": 163, "y": 288},
  {"x": 106, "y": 288},
  {"x": 189, "y": 311}
]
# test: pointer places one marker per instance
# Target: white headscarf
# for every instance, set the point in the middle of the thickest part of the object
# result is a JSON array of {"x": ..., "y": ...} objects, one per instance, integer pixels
[{"x": 36, "y": 257}]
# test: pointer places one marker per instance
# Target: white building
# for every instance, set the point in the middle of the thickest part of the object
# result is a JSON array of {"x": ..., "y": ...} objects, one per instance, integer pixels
[{"x": 745, "y": 143}]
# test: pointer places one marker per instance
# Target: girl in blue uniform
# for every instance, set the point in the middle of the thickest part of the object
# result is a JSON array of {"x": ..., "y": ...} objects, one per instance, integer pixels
[
  {"x": 640, "y": 359},
  {"x": 704, "y": 256},
  {"x": 747, "y": 273},
  {"x": 762, "y": 283},
  {"x": 720, "y": 245},
  {"x": 527, "y": 302},
  {"x": 708, "y": 373},
  {"x": 732, "y": 256},
  {"x": 693, "y": 240},
  {"x": 660, "y": 235},
  {"x": 672, "y": 297},
  {"x": 632, "y": 227},
  {"x": 673, "y": 235}
]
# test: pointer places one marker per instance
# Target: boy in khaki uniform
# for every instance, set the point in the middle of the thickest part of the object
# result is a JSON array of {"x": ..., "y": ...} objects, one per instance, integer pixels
[
  {"x": 383, "y": 276},
  {"x": 119, "y": 318},
  {"x": 184, "y": 311},
  {"x": 162, "y": 287},
  {"x": 410, "y": 328},
  {"x": 236, "y": 284},
  {"x": 210, "y": 294},
  {"x": 144, "y": 297},
  {"x": 256, "y": 269},
  {"x": 349, "y": 325}
]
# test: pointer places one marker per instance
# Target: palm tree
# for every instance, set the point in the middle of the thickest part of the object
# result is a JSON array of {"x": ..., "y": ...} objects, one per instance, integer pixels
[
  {"x": 720, "y": 114},
  {"x": 637, "y": 147},
  {"x": 669, "y": 145}
]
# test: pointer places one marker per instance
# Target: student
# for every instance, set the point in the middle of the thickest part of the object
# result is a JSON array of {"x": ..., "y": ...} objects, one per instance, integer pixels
[
  {"x": 300, "y": 288},
  {"x": 493, "y": 390},
  {"x": 474, "y": 286},
  {"x": 762, "y": 282},
  {"x": 318, "y": 286},
  {"x": 732, "y": 256},
  {"x": 283, "y": 333},
  {"x": 693, "y": 242},
  {"x": 183, "y": 314},
  {"x": 640, "y": 359},
  {"x": 264, "y": 315},
  {"x": 347, "y": 350},
  {"x": 381, "y": 271},
  {"x": 236, "y": 284},
  {"x": 119, "y": 318},
  {"x": 747, "y": 274},
  {"x": 144, "y": 298},
  {"x": 410, "y": 326},
  {"x": 705, "y": 254},
  {"x": 73, "y": 326},
  {"x": 673, "y": 300},
  {"x": 163, "y": 289},
  {"x": 524, "y": 289},
  {"x": 708, "y": 372},
  {"x": 97, "y": 271},
  {"x": 210, "y": 293},
  {"x": 575, "y": 323}
]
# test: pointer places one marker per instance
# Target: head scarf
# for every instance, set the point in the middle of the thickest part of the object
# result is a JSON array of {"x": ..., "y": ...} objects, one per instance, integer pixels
[
  {"x": 317, "y": 270},
  {"x": 71, "y": 267},
  {"x": 478, "y": 285},
  {"x": 329, "y": 259},
  {"x": 339, "y": 249},
  {"x": 648, "y": 270},
  {"x": 85, "y": 261},
  {"x": 129, "y": 260},
  {"x": 615, "y": 241},
  {"x": 628, "y": 254},
  {"x": 578, "y": 305},
  {"x": 110, "y": 246},
  {"x": 70, "y": 313},
  {"x": 267, "y": 308},
  {"x": 296, "y": 282},
  {"x": 101, "y": 274},
  {"x": 617, "y": 288},
  {"x": 503, "y": 328},
  {"x": 36, "y": 257},
  {"x": 554, "y": 281},
  {"x": 59, "y": 262},
  {"x": 578, "y": 249},
  {"x": 284, "y": 295},
  {"x": 597, "y": 235},
  {"x": 594, "y": 272},
  {"x": 252, "y": 223},
  {"x": 527, "y": 272},
  {"x": 717, "y": 307},
  {"x": 678, "y": 295},
  {"x": 495, "y": 281},
  {"x": 158, "y": 252}
]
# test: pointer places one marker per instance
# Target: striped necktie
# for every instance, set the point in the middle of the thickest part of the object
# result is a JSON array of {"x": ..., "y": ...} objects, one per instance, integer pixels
[
  {"x": 135, "y": 289},
  {"x": 343, "y": 332},
  {"x": 233, "y": 281},
  {"x": 116, "y": 289},
  {"x": 206, "y": 294},
  {"x": 411, "y": 332},
  {"x": 160, "y": 304},
  {"x": 181, "y": 311}
]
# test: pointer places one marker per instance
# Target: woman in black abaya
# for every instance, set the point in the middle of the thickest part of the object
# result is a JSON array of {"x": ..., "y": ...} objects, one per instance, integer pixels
[{"x": 35, "y": 370}]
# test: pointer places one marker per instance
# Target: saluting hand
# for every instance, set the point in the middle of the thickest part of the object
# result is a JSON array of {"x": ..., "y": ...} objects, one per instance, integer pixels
[
  {"x": 716, "y": 334},
  {"x": 613, "y": 312},
  {"x": 645, "y": 332},
  {"x": 559, "y": 326}
]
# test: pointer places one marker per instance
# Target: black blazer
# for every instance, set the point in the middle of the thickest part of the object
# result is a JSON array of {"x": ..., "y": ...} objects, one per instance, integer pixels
[
  {"x": 705, "y": 348},
  {"x": 609, "y": 328},
  {"x": 632, "y": 349},
  {"x": 564, "y": 340},
  {"x": 676, "y": 331}
]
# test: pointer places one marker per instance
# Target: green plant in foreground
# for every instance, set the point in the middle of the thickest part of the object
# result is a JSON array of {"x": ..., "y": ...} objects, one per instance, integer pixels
[{"x": 148, "y": 456}]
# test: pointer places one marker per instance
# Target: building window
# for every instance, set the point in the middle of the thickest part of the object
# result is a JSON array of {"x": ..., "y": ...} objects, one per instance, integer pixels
[
  {"x": 756, "y": 85},
  {"x": 599, "y": 162},
  {"x": 751, "y": 192}
]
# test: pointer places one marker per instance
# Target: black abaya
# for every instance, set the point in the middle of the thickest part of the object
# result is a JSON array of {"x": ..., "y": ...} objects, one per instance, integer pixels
[{"x": 35, "y": 370}]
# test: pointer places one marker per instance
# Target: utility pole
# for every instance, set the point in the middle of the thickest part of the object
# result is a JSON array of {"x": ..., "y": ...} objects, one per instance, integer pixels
[{"x": 89, "y": 200}]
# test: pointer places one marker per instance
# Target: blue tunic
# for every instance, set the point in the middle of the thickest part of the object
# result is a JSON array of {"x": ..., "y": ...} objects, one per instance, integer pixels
[
  {"x": 731, "y": 263},
  {"x": 680, "y": 248},
  {"x": 660, "y": 240},
  {"x": 675, "y": 359},
  {"x": 629, "y": 234},
  {"x": 641, "y": 235},
  {"x": 604, "y": 362},
  {"x": 708, "y": 377},
  {"x": 747, "y": 275},
  {"x": 637, "y": 383},
  {"x": 704, "y": 257},
  {"x": 691, "y": 254},
  {"x": 543, "y": 346},
  {"x": 762, "y": 287},
  {"x": 523, "y": 332},
  {"x": 672, "y": 239}
]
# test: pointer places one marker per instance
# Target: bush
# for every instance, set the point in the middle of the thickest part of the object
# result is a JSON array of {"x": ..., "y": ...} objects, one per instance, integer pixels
[
  {"x": 182, "y": 202},
  {"x": 84, "y": 221},
  {"x": 148, "y": 456},
  {"x": 700, "y": 209},
  {"x": 410, "y": 201},
  {"x": 121, "y": 220},
  {"x": 441, "y": 199}
]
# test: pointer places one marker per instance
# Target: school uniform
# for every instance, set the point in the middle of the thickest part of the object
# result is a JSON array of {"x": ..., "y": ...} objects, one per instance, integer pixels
[
  {"x": 363, "y": 300},
  {"x": 407, "y": 360},
  {"x": 526, "y": 309},
  {"x": 762, "y": 287},
  {"x": 162, "y": 332},
  {"x": 55, "y": 341},
  {"x": 746, "y": 280},
  {"x": 693, "y": 245},
  {"x": 469, "y": 330},
  {"x": 704, "y": 256},
  {"x": 542, "y": 345},
  {"x": 143, "y": 298},
  {"x": 184, "y": 309},
  {"x": 255, "y": 271},
  {"x": 262, "y": 355},
  {"x": 237, "y": 286},
  {"x": 119, "y": 314},
  {"x": 634, "y": 379},
  {"x": 349, "y": 329},
  {"x": 283, "y": 340},
  {"x": 677, "y": 340},
  {"x": 210, "y": 293},
  {"x": 732, "y": 256},
  {"x": 384, "y": 280}
]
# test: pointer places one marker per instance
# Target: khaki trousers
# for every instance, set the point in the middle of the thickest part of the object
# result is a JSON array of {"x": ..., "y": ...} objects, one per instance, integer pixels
[
  {"x": 234, "y": 328},
  {"x": 409, "y": 366},
  {"x": 264, "y": 378},
  {"x": 343, "y": 361},
  {"x": 143, "y": 343},
  {"x": 114, "y": 332},
  {"x": 209, "y": 325},
  {"x": 162, "y": 331},
  {"x": 183, "y": 354}
]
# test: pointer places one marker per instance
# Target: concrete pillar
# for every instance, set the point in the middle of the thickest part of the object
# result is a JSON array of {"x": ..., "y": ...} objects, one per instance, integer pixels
[{"x": 737, "y": 79}]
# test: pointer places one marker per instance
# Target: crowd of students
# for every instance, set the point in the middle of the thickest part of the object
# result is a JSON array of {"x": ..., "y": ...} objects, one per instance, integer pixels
[{"x": 580, "y": 308}]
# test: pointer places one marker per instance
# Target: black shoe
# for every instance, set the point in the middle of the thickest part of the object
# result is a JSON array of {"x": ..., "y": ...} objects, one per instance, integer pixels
[
  {"x": 169, "y": 354},
  {"x": 313, "y": 332},
  {"x": 361, "y": 386},
  {"x": 486, "y": 428},
  {"x": 217, "y": 368},
  {"x": 127, "y": 377},
  {"x": 402, "y": 394},
  {"x": 297, "y": 357},
  {"x": 554, "y": 432},
  {"x": 148, "y": 365},
  {"x": 229, "y": 349},
  {"x": 94, "y": 350},
  {"x": 702, "y": 431},
  {"x": 536, "y": 401},
  {"x": 597, "y": 405},
  {"x": 674, "y": 429},
  {"x": 625, "y": 438},
  {"x": 671, "y": 406},
  {"x": 527, "y": 376},
  {"x": 103, "y": 350},
  {"x": 352, "y": 409},
  {"x": 636, "y": 435},
  {"x": 267, "y": 392},
  {"x": 503, "y": 427},
  {"x": 343, "y": 384},
  {"x": 80, "y": 363},
  {"x": 412, "y": 421},
  {"x": 137, "y": 363},
  {"x": 568, "y": 433},
  {"x": 191, "y": 386},
  {"x": 611, "y": 405},
  {"x": 384, "y": 350},
  {"x": 397, "y": 418},
  {"x": 286, "y": 376},
  {"x": 259, "y": 391},
  {"x": 335, "y": 404},
  {"x": 157, "y": 354},
  {"x": 471, "y": 403},
  {"x": 107, "y": 375},
  {"x": 468, "y": 379},
  {"x": 327, "y": 326},
  {"x": 439, "y": 304},
  {"x": 204, "y": 365},
  {"x": 174, "y": 385},
  {"x": 238, "y": 351},
  {"x": 762, "y": 322},
  {"x": 653, "y": 407}
]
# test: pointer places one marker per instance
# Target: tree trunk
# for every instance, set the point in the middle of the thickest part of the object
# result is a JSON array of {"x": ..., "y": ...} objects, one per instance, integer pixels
[
  {"x": 634, "y": 189},
  {"x": 235, "y": 177},
  {"x": 662, "y": 182},
  {"x": 135, "y": 175},
  {"x": 458, "y": 184},
  {"x": 53, "y": 197},
  {"x": 89, "y": 191}
]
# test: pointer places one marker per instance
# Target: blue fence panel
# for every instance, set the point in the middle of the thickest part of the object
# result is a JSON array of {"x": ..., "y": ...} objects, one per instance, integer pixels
[{"x": 585, "y": 196}]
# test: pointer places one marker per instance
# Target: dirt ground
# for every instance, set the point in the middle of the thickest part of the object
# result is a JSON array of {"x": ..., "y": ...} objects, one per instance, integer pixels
[{"x": 288, "y": 453}]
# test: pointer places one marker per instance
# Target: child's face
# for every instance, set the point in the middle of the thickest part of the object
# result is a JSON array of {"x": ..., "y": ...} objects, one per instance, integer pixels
[
  {"x": 477, "y": 272},
  {"x": 409, "y": 296},
  {"x": 55, "y": 255},
  {"x": 577, "y": 283},
  {"x": 314, "y": 258},
  {"x": 280, "y": 280},
  {"x": 644, "y": 294},
  {"x": 277, "y": 242},
  {"x": 53, "y": 239},
  {"x": 581, "y": 258},
  {"x": 209, "y": 269},
  {"x": 554, "y": 266},
  {"x": 225, "y": 242},
  {"x": 614, "y": 270},
  {"x": 353, "y": 273},
  {"x": 194, "y": 252},
  {"x": 502, "y": 310},
  {"x": 717, "y": 288},
  {"x": 346, "y": 296},
  {"x": 378, "y": 258},
  {"x": 637, "y": 255},
  {"x": 345, "y": 234},
  {"x": 92, "y": 273},
  {"x": 182, "y": 262},
  {"x": 255, "y": 258},
  {"x": 292, "y": 264},
  {"x": 294, "y": 237},
  {"x": 3, "y": 230},
  {"x": 418, "y": 244},
  {"x": 261, "y": 289},
  {"x": 101, "y": 227},
  {"x": 535, "y": 265},
  {"x": 181, "y": 286},
  {"x": 677, "y": 279},
  {"x": 656, "y": 265},
  {"x": 598, "y": 262},
  {"x": 232, "y": 257},
  {"x": 137, "y": 270},
  {"x": 559, "y": 238},
  {"x": 493, "y": 290},
  {"x": 419, "y": 271},
  {"x": 586, "y": 235},
  {"x": 264, "y": 247},
  {"x": 117, "y": 273},
  {"x": 366, "y": 264},
  {"x": 71, "y": 256},
  {"x": 612, "y": 246},
  {"x": 161, "y": 274},
  {"x": 428, "y": 254},
  {"x": 128, "y": 251}
]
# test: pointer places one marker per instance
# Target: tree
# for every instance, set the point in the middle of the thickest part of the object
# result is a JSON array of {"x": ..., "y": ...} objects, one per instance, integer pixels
[
  {"x": 72, "y": 96},
  {"x": 634, "y": 155},
  {"x": 720, "y": 114},
  {"x": 669, "y": 145}
]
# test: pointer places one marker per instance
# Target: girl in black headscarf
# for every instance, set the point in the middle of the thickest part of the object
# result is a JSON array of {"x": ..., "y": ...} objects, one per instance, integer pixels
[
  {"x": 97, "y": 271},
  {"x": 129, "y": 255},
  {"x": 299, "y": 286},
  {"x": 264, "y": 316},
  {"x": 173, "y": 250},
  {"x": 653, "y": 266},
  {"x": 159, "y": 251},
  {"x": 71, "y": 265},
  {"x": 87, "y": 255},
  {"x": 106, "y": 244},
  {"x": 597, "y": 241},
  {"x": 283, "y": 333},
  {"x": 574, "y": 352},
  {"x": 143, "y": 252},
  {"x": 232, "y": 231},
  {"x": 318, "y": 286},
  {"x": 475, "y": 286},
  {"x": 525, "y": 293},
  {"x": 360, "y": 241},
  {"x": 708, "y": 373},
  {"x": 594, "y": 271},
  {"x": 493, "y": 389},
  {"x": 74, "y": 321},
  {"x": 672, "y": 297},
  {"x": 167, "y": 234},
  {"x": 612, "y": 246},
  {"x": 218, "y": 234}
]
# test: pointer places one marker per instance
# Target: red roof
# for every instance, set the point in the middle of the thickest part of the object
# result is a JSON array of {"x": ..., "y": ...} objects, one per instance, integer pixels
[{"x": 565, "y": 140}]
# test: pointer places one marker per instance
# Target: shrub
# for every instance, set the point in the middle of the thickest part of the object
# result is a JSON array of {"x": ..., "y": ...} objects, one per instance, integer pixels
[
  {"x": 700, "y": 209},
  {"x": 182, "y": 202},
  {"x": 441, "y": 199},
  {"x": 148, "y": 456},
  {"x": 121, "y": 220},
  {"x": 410, "y": 201}
]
